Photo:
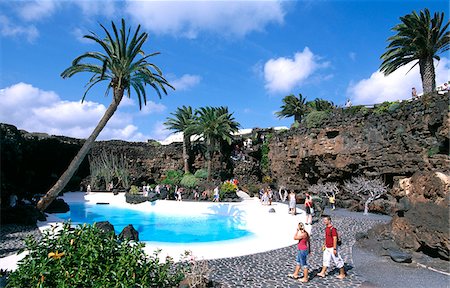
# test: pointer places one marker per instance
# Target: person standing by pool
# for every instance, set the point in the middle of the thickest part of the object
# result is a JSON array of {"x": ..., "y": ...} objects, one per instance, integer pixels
[
  {"x": 292, "y": 202},
  {"x": 332, "y": 200},
  {"x": 308, "y": 206},
  {"x": 330, "y": 249},
  {"x": 216, "y": 194},
  {"x": 303, "y": 249}
]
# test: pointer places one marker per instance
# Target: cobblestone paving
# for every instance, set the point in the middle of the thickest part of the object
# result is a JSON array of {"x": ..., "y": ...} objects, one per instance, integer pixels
[
  {"x": 270, "y": 269},
  {"x": 12, "y": 237}
]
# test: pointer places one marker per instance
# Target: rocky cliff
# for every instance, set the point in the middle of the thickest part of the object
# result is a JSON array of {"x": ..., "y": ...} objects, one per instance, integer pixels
[
  {"x": 389, "y": 143},
  {"x": 32, "y": 162}
]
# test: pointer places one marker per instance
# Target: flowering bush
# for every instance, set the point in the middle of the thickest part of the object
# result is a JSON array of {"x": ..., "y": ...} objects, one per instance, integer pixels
[{"x": 228, "y": 187}]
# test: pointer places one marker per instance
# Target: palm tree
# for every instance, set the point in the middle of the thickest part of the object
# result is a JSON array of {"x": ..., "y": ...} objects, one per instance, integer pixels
[
  {"x": 123, "y": 69},
  {"x": 293, "y": 106},
  {"x": 320, "y": 105},
  {"x": 214, "y": 124},
  {"x": 182, "y": 122},
  {"x": 419, "y": 38}
]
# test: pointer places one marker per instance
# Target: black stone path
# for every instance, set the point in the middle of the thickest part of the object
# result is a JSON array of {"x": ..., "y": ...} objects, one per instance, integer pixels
[{"x": 270, "y": 269}]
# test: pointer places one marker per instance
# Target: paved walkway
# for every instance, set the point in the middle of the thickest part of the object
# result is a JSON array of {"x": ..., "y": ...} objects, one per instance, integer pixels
[{"x": 270, "y": 269}]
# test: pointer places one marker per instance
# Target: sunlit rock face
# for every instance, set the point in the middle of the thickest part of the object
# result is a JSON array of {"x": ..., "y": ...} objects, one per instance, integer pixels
[{"x": 392, "y": 145}]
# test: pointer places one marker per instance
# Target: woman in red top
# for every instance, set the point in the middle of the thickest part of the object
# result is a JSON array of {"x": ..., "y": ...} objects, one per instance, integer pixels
[
  {"x": 303, "y": 249},
  {"x": 308, "y": 206}
]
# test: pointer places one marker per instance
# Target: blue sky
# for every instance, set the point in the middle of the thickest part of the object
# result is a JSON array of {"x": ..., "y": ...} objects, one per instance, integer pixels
[{"x": 246, "y": 55}]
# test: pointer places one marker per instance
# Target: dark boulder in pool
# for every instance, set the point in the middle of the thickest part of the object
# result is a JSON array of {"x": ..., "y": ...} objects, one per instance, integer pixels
[
  {"x": 57, "y": 206},
  {"x": 105, "y": 226},
  {"x": 129, "y": 233}
]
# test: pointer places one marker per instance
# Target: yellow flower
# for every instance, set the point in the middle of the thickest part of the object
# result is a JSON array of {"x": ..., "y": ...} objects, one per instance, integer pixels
[
  {"x": 71, "y": 241},
  {"x": 56, "y": 255}
]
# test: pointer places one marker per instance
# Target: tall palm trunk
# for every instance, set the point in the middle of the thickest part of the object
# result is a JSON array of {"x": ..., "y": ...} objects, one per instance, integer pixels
[
  {"x": 428, "y": 75},
  {"x": 209, "y": 154},
  {"x": 186, "y": 145},
  {"x": 67, "y": 175}
]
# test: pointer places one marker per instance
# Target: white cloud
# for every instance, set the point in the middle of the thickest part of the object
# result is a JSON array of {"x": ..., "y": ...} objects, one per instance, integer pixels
[
  {"x": 36, "y": 10},
  {"x": 159, "y": 131},
  {"x": 396, "y": 86},
  {"x": 8, "y": 29},
  {"x": 152, "y": 107},
  {"x": 78, "y": 33},
  {"x": 185, "y": 82},
  {"x": 90, "y": 8},
  {"x": 36, "y": 110},
  {"x": 284, "y": 74},
  {"x": 189, "y": 18}
]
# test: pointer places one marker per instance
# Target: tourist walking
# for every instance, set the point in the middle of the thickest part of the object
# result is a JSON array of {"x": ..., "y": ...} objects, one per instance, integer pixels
[
  {"x": 216, "y": 194},
  {"x": 330, "y": 249},
  {"x": 332, "y": 200},
  {"x": 303, "y": 249},
  {"x": 292, "y": 203},
  {"x": 413, "y": 92},
  {"x": 270, "y": 195},
  {"x": 283, "y": 196},
  {"x": 308, "y": 209}
]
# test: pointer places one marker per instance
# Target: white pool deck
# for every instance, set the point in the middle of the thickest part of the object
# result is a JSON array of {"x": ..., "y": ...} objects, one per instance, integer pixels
[{"x": 269, "y": 230}]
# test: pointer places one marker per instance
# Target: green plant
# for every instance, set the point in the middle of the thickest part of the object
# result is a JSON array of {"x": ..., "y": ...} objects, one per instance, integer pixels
[
  {"x": 228, "y": 187},
  {"x": 87, "y": 257},
  {"x": 393, "y": 106},
  {"x": 252, "y": 189},
  {"x": 108, "y": 166},
  {"x": 201, "y": 173},
  {"x": 315, "y": 119},
  {"x": 381, "y": 108},
  {"x": 433, "y": 151},
  {"x": 134, "y": 190},
  {"x": 172, "y": 177},
  {"x": 189, "y": 181},
  {"x": 267, "y": 179},
  {"x": 265, "y": 154},
  {"x": 357, "y": 109}
]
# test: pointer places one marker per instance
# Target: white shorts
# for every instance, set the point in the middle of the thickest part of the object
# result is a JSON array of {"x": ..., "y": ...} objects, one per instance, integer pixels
[{"x": 328, "y": 255}]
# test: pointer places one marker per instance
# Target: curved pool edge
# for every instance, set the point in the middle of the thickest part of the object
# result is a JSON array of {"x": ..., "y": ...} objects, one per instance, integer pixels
[{"x": 270, "y": 230}]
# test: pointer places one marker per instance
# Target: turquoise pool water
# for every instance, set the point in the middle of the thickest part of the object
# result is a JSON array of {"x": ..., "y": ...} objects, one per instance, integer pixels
[{"x": 161, "y": 227}]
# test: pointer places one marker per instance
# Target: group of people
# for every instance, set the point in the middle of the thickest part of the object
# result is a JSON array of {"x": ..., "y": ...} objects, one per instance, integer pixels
[
  {"x": 266, "y": 196},
  {"x": 330, "y": 250}
]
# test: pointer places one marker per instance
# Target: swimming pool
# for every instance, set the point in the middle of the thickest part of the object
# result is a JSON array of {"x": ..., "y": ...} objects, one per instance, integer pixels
[{"x": 217, "y": 224}]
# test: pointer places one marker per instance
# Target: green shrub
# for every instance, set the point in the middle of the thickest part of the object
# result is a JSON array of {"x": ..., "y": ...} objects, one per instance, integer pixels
[
  {"x": 267, "y": 179},
  {"x": 393, "y": 106},
  {"x": 172, "y": 177},
  {"x": 358, "y": 109},
  {"x": 227, "y": 190},
  {"x": 384, "y": 107},
  {"x": 265, "y": 157},
  {"x": 228, "y": 187},
  {"x": 433, "y": 151},
  {"x": 189, "y": 181},
  {"x": 87, "y": 257},
  {"x": 252, "y": 190},
  {"x": 315, "y": 119},
  {"x": 201, "y": 173},
  {"x": 134, "y": 190}
]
